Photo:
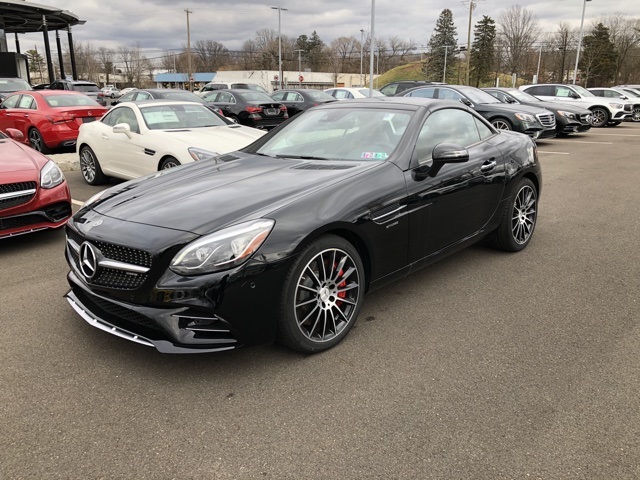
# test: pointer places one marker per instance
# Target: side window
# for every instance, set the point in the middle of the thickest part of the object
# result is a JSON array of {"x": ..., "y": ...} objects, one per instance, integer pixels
[
  {"x": 499, "y": 95},
  {"x": 447, "y": 94},
  {"x": 563, "y": 92},
  {"x": 27, "y": 102},
  {"x": 390, "y": 90},
  {"x": 129, "y": 117},
  {"x": 278, "y": 96},
  {"x": 143, "y": 96},
  {"x": 297, "y": 97},
  {"x": 611, "y": 94},
  {"x": 225, "y": 97},
  {"x": 483, "y": 130},
  {"x": 423, "y": 93},
  {"x": 112, "y": 117},
  {"x": 448, "y": 125},
  {"x": 598, "y": 93},
  {"x": 11, "y": 102}
]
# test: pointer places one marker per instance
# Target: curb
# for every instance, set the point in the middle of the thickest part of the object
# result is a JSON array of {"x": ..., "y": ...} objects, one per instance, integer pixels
[{"x": 68, "y": 162}]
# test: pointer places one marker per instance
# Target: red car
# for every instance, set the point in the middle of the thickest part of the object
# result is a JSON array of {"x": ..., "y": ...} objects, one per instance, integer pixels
[
  {"x": 33, "y": 192},
  {"x": 48, "y": 119}
]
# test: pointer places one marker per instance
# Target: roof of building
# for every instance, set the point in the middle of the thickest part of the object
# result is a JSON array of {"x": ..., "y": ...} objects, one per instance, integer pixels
[
  {"x": 24, "y": 17},
  {"x": 182, "y": 77}
]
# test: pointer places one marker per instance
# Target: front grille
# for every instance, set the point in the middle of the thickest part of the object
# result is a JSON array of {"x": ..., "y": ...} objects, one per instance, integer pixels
[
  {"x": 547, "y": 120},
  {"x": 25, "y": 191},
  {"x": 628, "y": 107},
  {"x": 22, "y": 221},
  {"x": 114, "y": 313},
  {"x": 112, "y": 277}
]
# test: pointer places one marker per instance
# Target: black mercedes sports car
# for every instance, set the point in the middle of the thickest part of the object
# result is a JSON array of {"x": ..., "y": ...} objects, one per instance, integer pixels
[{"x": 280, "y": 241}]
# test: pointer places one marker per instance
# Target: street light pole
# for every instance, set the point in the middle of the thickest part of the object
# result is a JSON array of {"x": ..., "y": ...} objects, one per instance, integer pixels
[
  {"x": 373, "y": 38},
  {"x": 538, "y": 71},
  {"x": 361, "y": 55},
  {"x": 575, "y": 70},
  {"x": 280, "y": 9},
  {"x": 189, "y": 50},
  {"x": 299, "y": 67}
]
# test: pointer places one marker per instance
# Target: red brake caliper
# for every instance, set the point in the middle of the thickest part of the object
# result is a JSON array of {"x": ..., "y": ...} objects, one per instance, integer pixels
[{"x": 341, "y": 285}]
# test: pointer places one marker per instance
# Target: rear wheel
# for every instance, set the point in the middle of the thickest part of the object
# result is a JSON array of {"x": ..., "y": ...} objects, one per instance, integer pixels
[
  {"x": 322, "y": 296},
  {"x": 518, "y": 218},
  {"x": 37, "y": 142},
  {"x": 599, "y": 117},
  {"x": 90, "y": 167},
  {"x": 168, "y": 162},
  {"x": 635, "y": 117}
]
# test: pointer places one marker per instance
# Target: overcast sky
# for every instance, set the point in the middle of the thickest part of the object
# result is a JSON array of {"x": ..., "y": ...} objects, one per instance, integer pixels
[{"x": 160, "y": 25}]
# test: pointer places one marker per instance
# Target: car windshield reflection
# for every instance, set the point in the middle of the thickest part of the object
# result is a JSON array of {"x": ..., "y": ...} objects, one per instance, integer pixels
[
  {"x": 166, "y": 117},
  {"x": 340, "y": 134}
]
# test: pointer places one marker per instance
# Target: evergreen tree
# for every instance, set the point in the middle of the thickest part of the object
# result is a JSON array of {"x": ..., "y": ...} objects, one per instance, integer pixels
[
  {"x": 598, "y": 58},
  {"x": 483, "y": 51},
  {"x": 443, "y": 42},
  {"x": 313, "y": 48}
]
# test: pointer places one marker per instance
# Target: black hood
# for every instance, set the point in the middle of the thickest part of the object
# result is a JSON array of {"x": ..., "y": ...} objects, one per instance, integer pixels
[
  {"x": 204, "y": 196},
  {"x": 510, "y": 108}
]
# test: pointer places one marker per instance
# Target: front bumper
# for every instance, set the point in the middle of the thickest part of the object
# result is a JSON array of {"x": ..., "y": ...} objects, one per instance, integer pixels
[{"x": 176, "y": 314}]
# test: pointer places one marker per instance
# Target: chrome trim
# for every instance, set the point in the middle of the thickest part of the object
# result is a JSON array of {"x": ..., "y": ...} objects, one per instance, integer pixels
[
  {"x": 104, "y": 326},
  {"x": 380, "y": 217},
  {"x": 127, "y": 267},
  {"x": 21, "y": 193}
]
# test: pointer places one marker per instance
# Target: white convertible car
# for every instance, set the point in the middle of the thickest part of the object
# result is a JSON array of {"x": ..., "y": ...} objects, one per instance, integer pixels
[{"x": 135, "y": 139}]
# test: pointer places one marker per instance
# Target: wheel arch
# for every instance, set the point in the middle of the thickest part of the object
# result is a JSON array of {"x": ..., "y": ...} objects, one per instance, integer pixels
[{"x": 165, "y": 157}]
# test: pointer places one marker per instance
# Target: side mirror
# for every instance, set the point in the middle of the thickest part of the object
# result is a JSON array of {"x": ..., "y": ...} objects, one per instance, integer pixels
[
  {"x": 466, "y": 102},
  {"x": 14, "y": 133},
  {"x": 511, "y": 100},
  {"x": 575, "y": 96},
  {"x": 443, "y": 153},
  {"x": 123, "y": 128}
]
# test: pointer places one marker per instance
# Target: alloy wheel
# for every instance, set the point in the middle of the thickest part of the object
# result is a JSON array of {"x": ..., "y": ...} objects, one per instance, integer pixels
[
  {"x": 523, "y": 219},
  {"x": 327, "y": 295},
  {"x": 87, "y": 165},
  {"x": 636, "y": 114},
  {"x": 501, "y": 125},
  {"x": 599, "y": 117},
  {"x": 35, "y": 140},
  {"x": 169, "y": 164}
]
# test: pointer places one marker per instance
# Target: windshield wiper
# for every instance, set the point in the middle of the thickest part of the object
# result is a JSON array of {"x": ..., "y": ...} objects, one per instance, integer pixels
[{"x": 303, "y": 157}]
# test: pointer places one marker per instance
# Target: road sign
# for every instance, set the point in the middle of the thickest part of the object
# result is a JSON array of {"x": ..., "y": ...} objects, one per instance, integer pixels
[{"x": 301, "y": 78}]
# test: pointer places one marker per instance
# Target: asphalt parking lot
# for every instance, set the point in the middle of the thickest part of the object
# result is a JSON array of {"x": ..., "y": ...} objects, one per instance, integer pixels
[{"x": 484, "y": 366}]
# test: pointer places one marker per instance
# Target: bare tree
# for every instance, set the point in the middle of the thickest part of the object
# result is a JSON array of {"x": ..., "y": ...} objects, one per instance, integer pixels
[
  {"x": 560, "y": 45},
  {"x": 210, "y": 55},
  {"x": 105, "y": 57},
  {"x": 625, "y": 36},
  {"x": 133, "y": 63},
  {"x": 398, "y": 49},
  {"x": 518, "y": 29}
]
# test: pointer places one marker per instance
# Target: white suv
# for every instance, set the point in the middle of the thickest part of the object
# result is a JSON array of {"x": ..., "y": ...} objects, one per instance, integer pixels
[
  {"x": 604, "y": 111},
  {"x": 619, "y": 93},
  {"x": 213, "y": 86}
]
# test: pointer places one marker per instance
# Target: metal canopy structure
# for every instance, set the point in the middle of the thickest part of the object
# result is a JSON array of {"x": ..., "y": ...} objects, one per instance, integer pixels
[{"x": 18, "y": 16}]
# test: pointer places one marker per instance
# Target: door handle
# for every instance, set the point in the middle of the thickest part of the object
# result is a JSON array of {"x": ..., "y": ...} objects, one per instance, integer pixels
[
  {"x": 106, "y": 137},
  {"x": 488, "y": 166}
]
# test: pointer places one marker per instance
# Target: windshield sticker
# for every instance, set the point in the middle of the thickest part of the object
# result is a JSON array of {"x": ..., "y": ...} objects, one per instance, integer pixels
[{"x": 374, "y": 155}]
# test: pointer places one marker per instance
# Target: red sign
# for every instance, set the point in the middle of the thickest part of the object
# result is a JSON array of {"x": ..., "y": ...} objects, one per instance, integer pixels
[
  {"x": 301, "y": 78},
  {"x": 275, "y": 77}
]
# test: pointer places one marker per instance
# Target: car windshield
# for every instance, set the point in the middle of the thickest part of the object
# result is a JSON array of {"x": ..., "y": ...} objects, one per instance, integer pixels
[
  {"x": 165, "y": 117},
  {"x": 257, "y": 88},
  {"x": 354, "y": 134},
  {"x": 61, "y": 101},
  {"x": 478, "y": 96},
  {"x": 13, "y": 85},
  {"x": 85, "y": 88},
  {"x": 254, "y": 96},
  {"x": 523, "y": 96},
  {"x": 375, "y": 93},
  {"x": 631, "y": 93},
  {"x": 582, "y": 91}
]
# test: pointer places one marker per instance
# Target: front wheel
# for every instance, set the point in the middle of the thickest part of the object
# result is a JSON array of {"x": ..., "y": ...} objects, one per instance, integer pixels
[
  {"x": 168, "y": 162},
  {"x": 502, "y": 124},
  {"x": 518, "y": 218},
  {"x": 90, "y": 167},
  {"x": 322, "y": 296},
  {"x": 599, "y": 117},
  {"x": 635, "y": 117}
]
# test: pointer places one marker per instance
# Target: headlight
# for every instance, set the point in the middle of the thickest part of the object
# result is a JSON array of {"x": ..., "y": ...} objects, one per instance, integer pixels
[
  {"x": 566, "y": 114},
  {"x": 50, "y": 175},
  {"x": 619, "y": 106},
  {"x": 200, "y": 154},
  {"x": 525, "y": 117},
  {"x": 222, "y": 250}
]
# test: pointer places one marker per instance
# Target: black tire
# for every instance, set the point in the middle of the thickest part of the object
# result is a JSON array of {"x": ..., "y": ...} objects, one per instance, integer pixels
[
  {"x": 318, "y": 307},
  {"x": 635, "y": 117},
  {"x": 518, "y": 218},
  {"x": 234, "y": 119},
  {"x": 599, "y": 117},
  {"x": 502, "y": 124},
  {"x": 37, "y": 142},
  {"x": 90, "y": 167},
  {"x": 168, "y": 162}
]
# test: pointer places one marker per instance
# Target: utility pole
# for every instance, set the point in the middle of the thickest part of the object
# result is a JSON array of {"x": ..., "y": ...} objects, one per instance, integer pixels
[
  {"x": 472, "y": 4},
  {"x": 444, "y": 72},
  {"x": 575, "y": 71},
  {"x": 361, "y": 55},
  {"x": 373, "y": 40},
  {"x": 189, "y": 51},
  {"x": 280, "y": 9}
]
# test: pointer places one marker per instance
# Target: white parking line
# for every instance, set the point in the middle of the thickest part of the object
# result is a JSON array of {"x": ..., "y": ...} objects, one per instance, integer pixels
[
  {"x": 77, "y": 202},
  {"x": 613, "y": 135},
  {"x": 554, "y": 153}
]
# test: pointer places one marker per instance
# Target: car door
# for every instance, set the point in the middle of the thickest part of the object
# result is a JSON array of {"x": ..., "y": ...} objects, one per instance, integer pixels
[
  {"x": 227, "y": 103},
  {"x": 26, "y": 115},
  {"x": 459, "y": 200},
  {"x": 292, "y": 100},
  {"x": 9, "y": 112},
  {"x": 126, "y": 154}
]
